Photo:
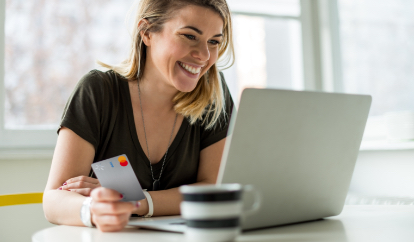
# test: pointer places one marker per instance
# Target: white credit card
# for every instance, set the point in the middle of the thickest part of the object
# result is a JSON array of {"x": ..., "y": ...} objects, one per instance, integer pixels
[{"x": 116, "y": 173}]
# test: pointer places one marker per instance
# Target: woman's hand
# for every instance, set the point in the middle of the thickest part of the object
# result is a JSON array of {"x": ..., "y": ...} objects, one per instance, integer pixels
[
  {"x": 108, "y": 214},
  {"x": 81, "y": 184}
]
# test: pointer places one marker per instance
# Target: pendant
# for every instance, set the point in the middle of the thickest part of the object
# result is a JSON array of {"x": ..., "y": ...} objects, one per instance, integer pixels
[{"x": 156, "y": 185}]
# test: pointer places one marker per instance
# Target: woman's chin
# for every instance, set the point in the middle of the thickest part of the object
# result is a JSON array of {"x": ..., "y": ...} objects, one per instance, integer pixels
[{"x": 185, "y": 87}]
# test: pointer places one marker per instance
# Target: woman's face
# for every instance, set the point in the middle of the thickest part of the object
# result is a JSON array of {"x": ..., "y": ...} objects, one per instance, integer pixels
[{"x": 186, "y": 47}]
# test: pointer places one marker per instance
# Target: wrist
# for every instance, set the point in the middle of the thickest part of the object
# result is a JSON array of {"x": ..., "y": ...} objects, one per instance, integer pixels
[
  {"x": 143, "y": 208},
  {"x": 148, "y": 208},
  {"x": 150, "y": 205},
  {"x": 85, "y": 212}
]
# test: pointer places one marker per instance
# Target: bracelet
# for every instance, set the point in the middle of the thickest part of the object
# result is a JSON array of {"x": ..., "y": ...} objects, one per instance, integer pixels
[
  {"x": 150, "y": 205},
  {"x": 85, "y": 212}
]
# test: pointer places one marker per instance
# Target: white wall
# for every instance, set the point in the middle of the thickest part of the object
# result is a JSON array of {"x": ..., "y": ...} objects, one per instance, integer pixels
[
  {"x": 18, "y": 223},
  {"x": 384, "y": 173}
]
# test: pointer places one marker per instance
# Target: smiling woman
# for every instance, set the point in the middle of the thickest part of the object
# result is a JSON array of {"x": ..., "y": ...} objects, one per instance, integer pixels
[
  {"x": 166, "y": 107},
  {"x": 178, "y": 38}
]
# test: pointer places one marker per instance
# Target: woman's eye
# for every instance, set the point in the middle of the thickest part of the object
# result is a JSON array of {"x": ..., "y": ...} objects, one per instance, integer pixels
[
  {"x": 214, "y": 42},
  {"x": 191, "y": 37}
]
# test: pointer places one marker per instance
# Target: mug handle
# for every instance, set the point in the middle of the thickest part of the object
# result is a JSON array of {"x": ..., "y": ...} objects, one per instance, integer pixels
[{"x": 257, "y": 199}]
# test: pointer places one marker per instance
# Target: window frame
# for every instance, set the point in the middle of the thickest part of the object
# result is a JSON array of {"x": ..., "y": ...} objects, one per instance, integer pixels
[
  {"x": 12, "y": 140},
  {"x": 321, "y": 50},
  {"x": 321, "y": 69}
]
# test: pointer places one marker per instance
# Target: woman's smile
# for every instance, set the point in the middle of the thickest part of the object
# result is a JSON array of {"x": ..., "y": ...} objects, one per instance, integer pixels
[
  {"x": 186, "y": 47},
  {"x": 190, "y": 70}
]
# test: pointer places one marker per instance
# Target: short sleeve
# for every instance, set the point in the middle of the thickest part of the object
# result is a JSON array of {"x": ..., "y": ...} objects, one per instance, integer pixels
[
  {"x": 219, "y": 131},
  {"x": 82, "y": 113}
]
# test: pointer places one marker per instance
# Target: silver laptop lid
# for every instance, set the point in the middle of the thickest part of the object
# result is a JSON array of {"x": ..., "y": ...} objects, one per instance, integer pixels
[{"x": 298, "y": 149}]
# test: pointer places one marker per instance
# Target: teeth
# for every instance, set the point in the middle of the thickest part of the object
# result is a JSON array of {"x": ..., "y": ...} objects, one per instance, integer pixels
[{"x": 190, "y": 68}]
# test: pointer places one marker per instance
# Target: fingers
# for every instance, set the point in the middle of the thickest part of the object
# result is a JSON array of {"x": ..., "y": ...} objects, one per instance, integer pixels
[
  {"x": 112, "y": 208},
  {"x": 111, "y": 223},
  {"x": 83, "y": 191},
  {"x": 102, "y": 194},
  {"x": 82, "y": 179},
  {"x": 108, "y": 213},
  {"x": 79, "y": 184}
]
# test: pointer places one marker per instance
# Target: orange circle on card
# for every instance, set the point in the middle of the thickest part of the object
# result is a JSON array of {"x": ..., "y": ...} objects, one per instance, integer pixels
[{"x": 121, "y": 158}]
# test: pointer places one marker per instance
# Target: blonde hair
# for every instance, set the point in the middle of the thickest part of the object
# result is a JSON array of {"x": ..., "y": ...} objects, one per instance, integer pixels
[{"x": 207, "y": 98}]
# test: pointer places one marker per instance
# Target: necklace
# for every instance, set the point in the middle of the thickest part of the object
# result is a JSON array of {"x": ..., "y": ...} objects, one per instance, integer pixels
[{"x": 156, "y": 182}]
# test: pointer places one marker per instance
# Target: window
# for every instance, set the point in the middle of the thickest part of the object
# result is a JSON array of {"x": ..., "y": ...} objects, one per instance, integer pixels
[
  {"x": 50, "y": 46},
  {"x": 268, "y": 32},
  {"x": 378, "y": 57}
]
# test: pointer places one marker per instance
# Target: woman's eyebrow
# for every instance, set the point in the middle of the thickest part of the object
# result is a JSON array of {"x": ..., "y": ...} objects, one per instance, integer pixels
[{"x": 199, "y": 31}]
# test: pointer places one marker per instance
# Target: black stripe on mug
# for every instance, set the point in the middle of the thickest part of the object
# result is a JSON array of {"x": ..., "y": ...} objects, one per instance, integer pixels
[
  {"x": 210, "y": 224},
  {"x": 212, "y": 197}
]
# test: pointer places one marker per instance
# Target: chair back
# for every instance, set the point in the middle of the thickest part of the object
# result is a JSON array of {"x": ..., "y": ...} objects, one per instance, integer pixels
[{"x": 22, "y": 198}]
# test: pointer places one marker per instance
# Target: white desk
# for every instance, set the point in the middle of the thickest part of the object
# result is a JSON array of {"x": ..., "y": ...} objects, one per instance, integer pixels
[{"x": 357, "y": 223}]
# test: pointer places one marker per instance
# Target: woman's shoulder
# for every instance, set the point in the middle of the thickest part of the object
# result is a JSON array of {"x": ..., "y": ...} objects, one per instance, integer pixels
[
  {"x": 98, "y": 84},
  {"x": 227, "y": 98},
  {"x": 227, "y": 107},
  {"x": 97, "y": 79},
  {"x": 100, "y": 87},
  {"x": 226, "y": 91}
]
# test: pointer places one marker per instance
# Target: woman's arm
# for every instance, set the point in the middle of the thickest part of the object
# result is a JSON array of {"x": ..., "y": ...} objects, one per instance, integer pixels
[
  {"x": 167, "y": 202},
  {"x": 73, "y": 157}
]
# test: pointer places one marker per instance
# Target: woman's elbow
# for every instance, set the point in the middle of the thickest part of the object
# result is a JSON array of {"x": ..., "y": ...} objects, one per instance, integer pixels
[{"x": 48, "y": 207}]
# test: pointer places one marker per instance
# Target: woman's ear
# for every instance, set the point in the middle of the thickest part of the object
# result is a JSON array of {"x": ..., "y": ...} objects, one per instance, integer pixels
[{"x": 145, "y": 34}]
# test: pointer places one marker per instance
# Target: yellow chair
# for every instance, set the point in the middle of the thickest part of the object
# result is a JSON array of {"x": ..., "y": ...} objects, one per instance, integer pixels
[{"x": 22, "y": 198}]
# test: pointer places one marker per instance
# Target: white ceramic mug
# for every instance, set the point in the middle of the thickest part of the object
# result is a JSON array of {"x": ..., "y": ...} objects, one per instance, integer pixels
[{"x": 214, "y": 212}]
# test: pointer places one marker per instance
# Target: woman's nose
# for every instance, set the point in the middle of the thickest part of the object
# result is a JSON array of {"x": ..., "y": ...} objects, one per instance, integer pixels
[{"x": 202, "y": 52}]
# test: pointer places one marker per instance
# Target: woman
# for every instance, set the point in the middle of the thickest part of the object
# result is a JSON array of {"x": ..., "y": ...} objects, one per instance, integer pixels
[{"x": 165, "y": 107}]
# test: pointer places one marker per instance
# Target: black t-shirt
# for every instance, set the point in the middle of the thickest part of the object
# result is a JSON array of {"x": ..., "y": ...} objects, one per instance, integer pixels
[{"x": 100, "y": 111}]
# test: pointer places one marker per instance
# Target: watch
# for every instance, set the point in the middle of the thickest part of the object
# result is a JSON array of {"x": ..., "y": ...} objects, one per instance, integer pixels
[{"x": 85, "y": 212}]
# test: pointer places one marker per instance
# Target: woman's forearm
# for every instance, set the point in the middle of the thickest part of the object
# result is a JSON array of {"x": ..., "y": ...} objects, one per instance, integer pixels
[
  {"x": 166, "y": 202},
  {"x": 63, "y": 207}
]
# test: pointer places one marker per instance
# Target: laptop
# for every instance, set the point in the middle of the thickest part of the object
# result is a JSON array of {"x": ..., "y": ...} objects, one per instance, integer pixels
[{"x": 297, "y": 148}]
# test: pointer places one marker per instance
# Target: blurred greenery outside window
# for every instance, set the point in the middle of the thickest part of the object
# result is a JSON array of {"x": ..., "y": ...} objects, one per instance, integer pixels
[
  {"x": 51, "y": 44},
  {"x": 378, "y": 59}
]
